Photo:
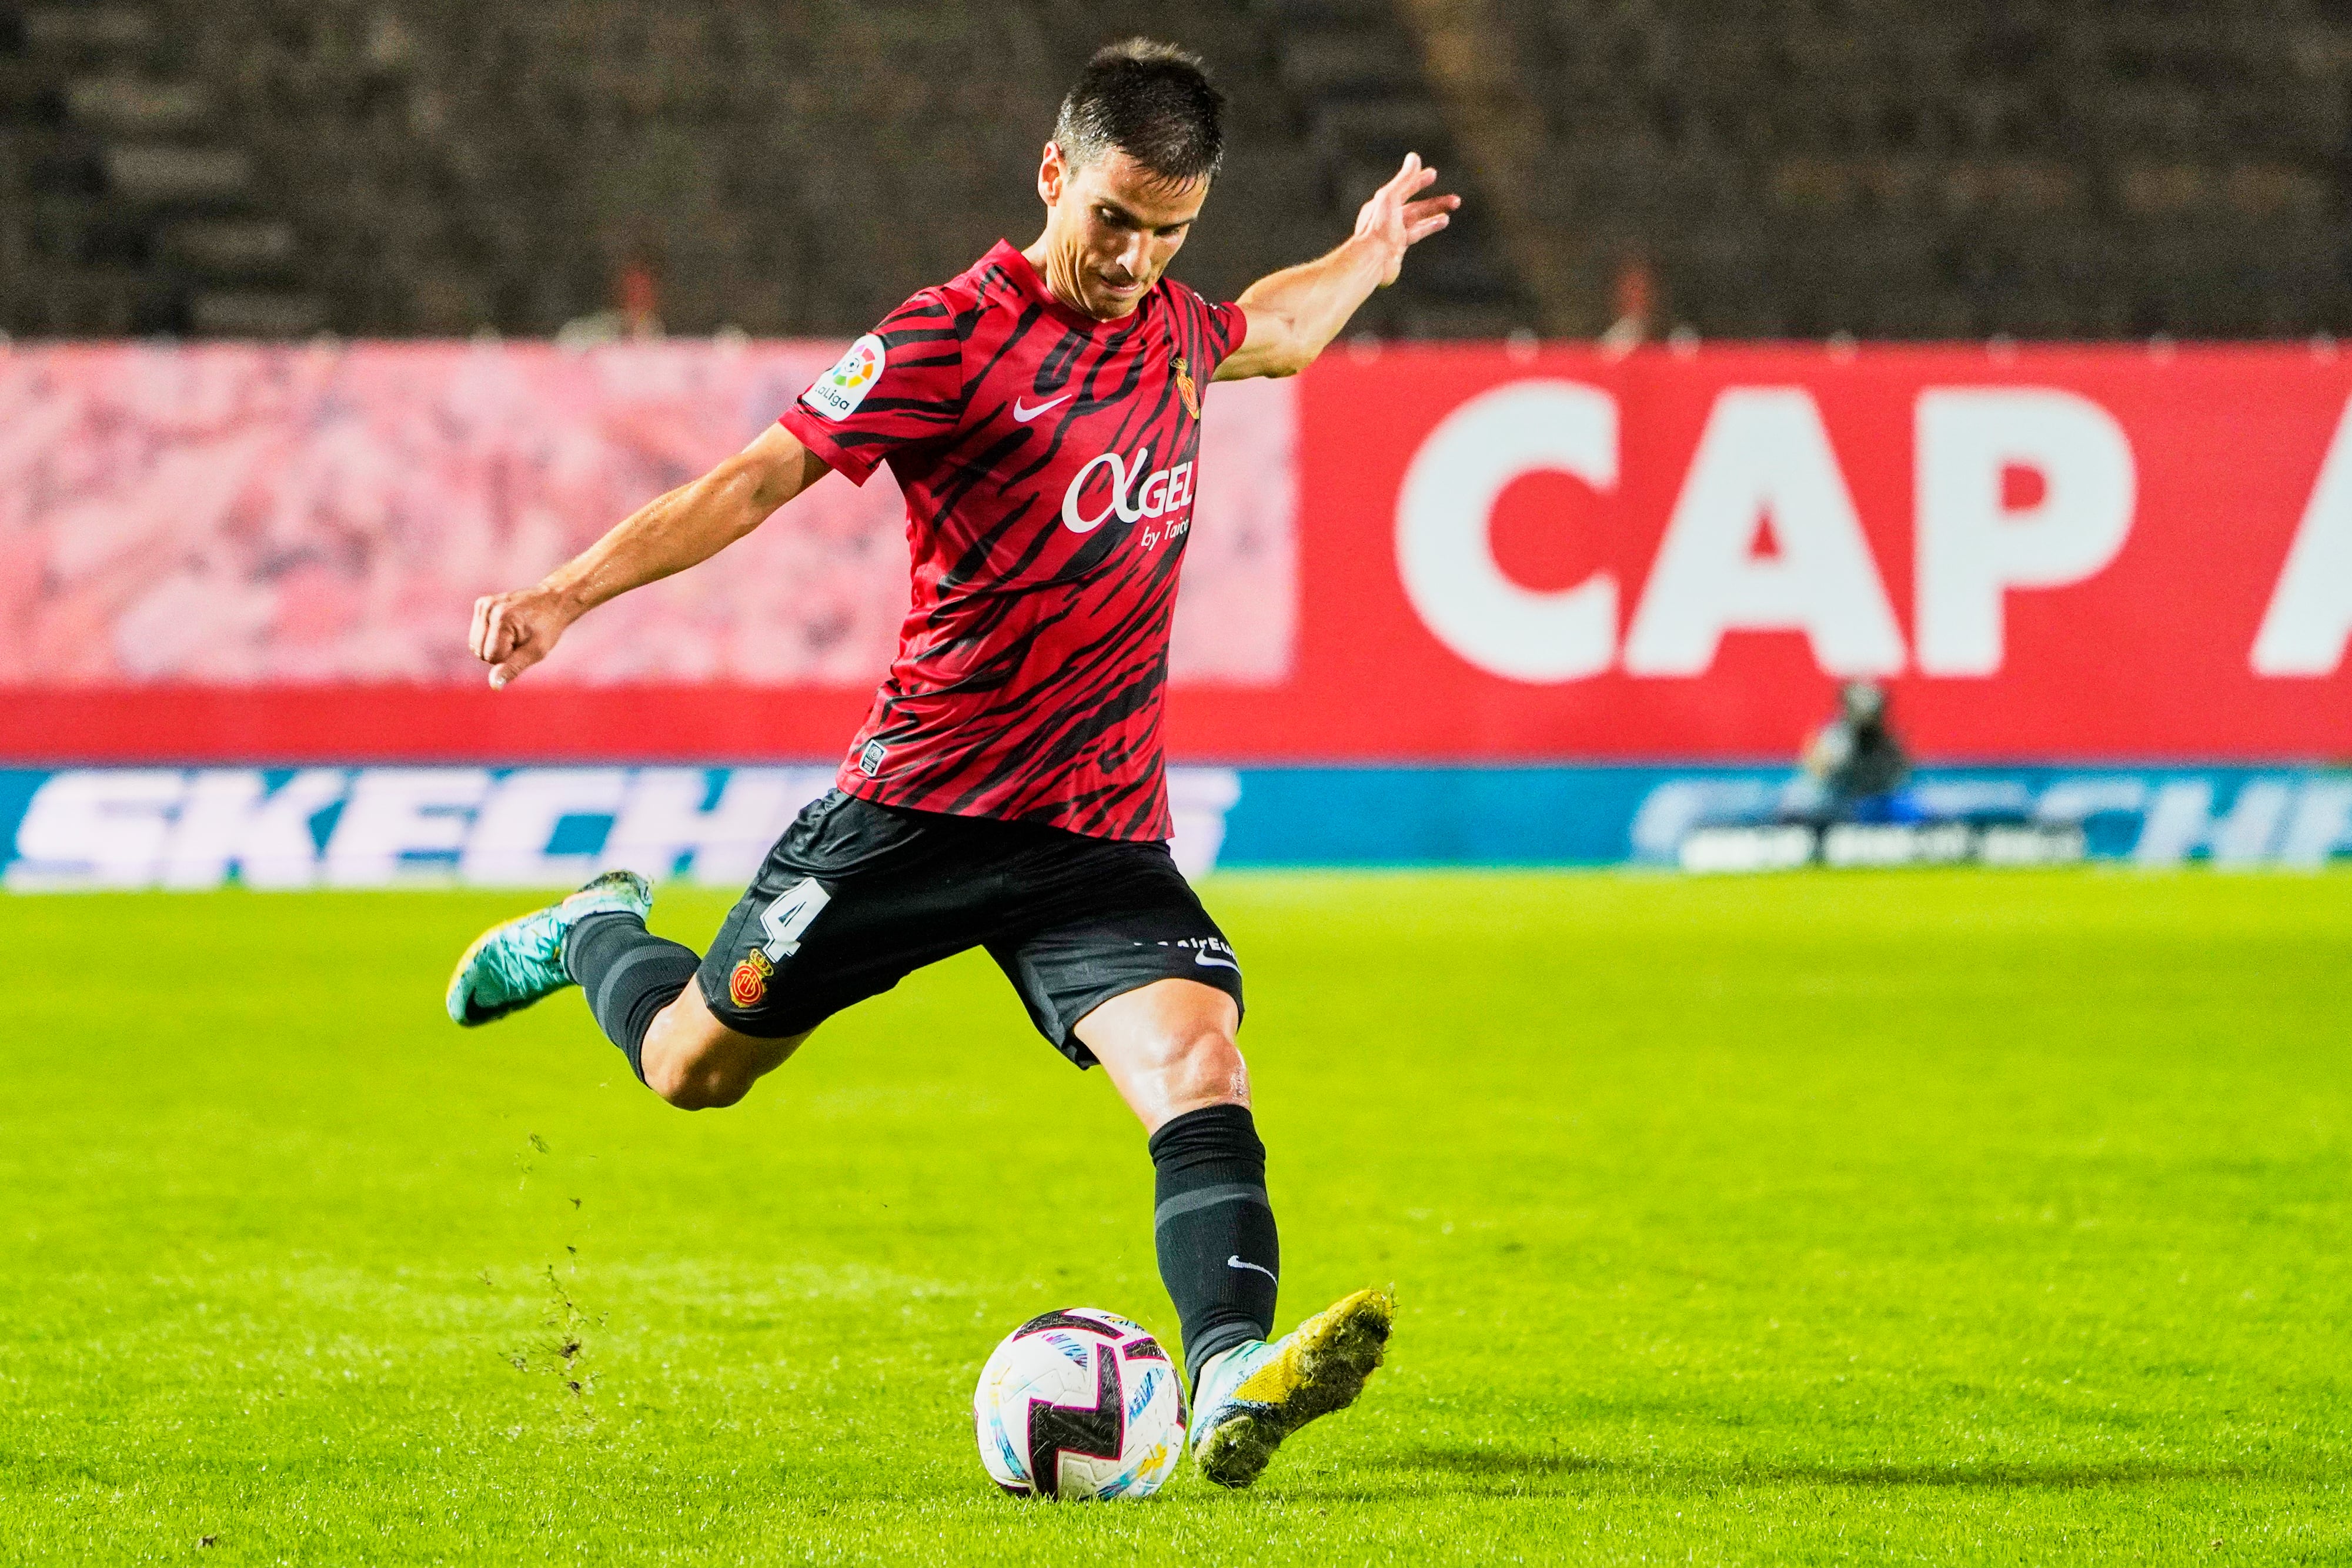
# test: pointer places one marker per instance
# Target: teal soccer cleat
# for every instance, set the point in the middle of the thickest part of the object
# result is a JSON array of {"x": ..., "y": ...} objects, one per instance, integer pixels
[
  {"x": 1255, "y": 1395},
  {"x": 514, "y": 964}
]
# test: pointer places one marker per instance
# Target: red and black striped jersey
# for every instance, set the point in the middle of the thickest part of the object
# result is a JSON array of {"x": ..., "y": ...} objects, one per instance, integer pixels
[{"x": 1047, "y": 462}]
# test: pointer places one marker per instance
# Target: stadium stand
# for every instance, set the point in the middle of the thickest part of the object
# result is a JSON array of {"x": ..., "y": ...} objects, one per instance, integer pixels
[
  {"x": 1794, "y": 168},
  {"x": 270, "y": 167},
  {"x": 1804, "y": 167}
]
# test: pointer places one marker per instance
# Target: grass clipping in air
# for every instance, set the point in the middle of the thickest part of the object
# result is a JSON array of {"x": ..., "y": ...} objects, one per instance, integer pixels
[{"x": 1932, "y": 1216}]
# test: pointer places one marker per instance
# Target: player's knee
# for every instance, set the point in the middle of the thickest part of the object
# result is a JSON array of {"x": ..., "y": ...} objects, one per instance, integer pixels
[
  {"x": 693, "y": 1074},
  {"x": 1205, "y": 1066},
  {"x": 698, "y": 1082}
]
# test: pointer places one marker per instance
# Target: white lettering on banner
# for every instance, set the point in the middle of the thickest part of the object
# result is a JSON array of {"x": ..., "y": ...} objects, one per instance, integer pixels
[
  {"x": 2079, "y": 799},
  {"x": 2181, "y": 821},
  {"x": 2322, "y": 819},
  {"x": 96, "y": 828},
  {"x": 1198, "y": 802},
  {"x": 133, "y": 828},
  {"x": 2309, "y": 620},
  {"x": 2303, "y": 821},
  {"x": 232, "y": 820},
  {"x": 509, "y": 844},
  {"x": 1973, "y": 548},
  {"x": 663, "y": 821},
  {"x": 2249, "y": 835},
  {"x": 1670, "y": 811},
  {"x": 1764, "y": 455},
  {"x": 1159, "y": 492},
  {"x": 1446, "y": 552},
  {"x": 398, "y": 812},
  {"x": 2178, "y": 817}
]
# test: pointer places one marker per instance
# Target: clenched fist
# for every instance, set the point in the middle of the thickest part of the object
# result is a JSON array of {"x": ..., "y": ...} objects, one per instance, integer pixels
[{"x": 512, "y": 631}]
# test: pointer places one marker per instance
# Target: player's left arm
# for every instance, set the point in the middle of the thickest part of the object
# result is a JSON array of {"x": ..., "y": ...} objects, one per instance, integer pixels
[{"x": 1294, "y": 313}]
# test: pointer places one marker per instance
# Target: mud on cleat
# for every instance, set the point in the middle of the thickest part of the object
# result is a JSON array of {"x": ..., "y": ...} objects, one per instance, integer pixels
[
  {"x": 516, "y": 962},
  {"x": 1253, "y": 1396}
]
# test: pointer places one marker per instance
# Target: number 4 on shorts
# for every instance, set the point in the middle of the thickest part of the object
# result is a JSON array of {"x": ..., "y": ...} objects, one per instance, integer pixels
[{"x": 787, "y": 919}]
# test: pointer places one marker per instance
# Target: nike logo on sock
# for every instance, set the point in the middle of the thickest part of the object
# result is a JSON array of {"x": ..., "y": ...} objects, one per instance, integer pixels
[
  {"x": 1023, "y": 415},
  {"x": 1235, "y": 1262}
]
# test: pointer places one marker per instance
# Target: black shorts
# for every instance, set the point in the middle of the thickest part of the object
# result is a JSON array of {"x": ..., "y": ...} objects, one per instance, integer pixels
[{"x": 855, "y": 896}]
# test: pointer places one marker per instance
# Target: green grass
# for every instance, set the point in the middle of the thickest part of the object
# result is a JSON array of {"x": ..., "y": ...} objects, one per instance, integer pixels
[{"x": 1907, "y": 1216}]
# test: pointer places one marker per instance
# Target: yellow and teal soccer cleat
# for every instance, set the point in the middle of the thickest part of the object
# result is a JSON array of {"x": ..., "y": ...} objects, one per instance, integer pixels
[
  {"x": 1253, "y": 1396},
  {"x": 516, "y": 962}
]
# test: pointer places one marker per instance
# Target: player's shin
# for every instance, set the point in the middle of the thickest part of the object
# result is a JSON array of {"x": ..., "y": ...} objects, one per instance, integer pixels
[
  {"x": 1214, "y": 1230},
  {"x": 628, "y": 976}
]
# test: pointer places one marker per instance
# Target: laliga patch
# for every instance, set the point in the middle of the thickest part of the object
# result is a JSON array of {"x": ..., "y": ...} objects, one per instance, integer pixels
[
  {"x": 836, "y": 393},
  {"x": 748, "y": 986}
]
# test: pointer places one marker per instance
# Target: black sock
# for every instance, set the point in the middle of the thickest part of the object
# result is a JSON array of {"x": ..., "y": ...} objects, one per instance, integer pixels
[
  {"x": 1215, "y": 1229},
  {"x": 628, "y": 974}
]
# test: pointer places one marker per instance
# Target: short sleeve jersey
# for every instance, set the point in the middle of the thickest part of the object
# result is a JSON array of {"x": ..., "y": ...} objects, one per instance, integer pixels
[{"x": 1048, "y": 462}]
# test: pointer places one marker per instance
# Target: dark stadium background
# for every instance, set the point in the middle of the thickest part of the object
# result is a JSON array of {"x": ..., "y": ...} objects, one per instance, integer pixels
[{"x": 1901, "y": 170}]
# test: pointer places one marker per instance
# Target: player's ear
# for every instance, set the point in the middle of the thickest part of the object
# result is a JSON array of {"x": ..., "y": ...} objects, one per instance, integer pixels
[{"x": 1052, "y": 174}]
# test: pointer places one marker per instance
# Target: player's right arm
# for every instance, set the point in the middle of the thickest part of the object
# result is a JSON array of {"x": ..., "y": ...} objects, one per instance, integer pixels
[{"x": 512, "y": 631}]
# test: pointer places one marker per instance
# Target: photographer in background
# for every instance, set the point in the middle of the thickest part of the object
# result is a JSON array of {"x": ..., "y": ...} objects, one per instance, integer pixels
[{"x": 1855, "y": 768}]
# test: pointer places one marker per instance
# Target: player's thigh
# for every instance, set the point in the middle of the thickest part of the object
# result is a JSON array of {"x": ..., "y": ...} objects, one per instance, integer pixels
[
  {"x": 848, "y": 902},
  {"x": 1119, "y": 919}
]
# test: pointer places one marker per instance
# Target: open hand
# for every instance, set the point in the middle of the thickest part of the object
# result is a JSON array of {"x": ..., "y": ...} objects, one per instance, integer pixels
[
  {"x": 512, "y": 631},
  {"x": 1395, "y": 219}
]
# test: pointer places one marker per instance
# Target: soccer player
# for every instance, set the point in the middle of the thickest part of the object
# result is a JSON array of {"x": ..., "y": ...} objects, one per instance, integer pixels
[{"x": 1042, "y": 413}]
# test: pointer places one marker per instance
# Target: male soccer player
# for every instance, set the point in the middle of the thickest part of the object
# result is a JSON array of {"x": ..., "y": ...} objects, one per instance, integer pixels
[{"x": 1042, "y": 413}]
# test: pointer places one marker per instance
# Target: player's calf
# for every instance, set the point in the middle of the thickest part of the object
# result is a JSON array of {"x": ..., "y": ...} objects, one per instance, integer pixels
[
  {"x": 629, "y": 976},
  {"x": 1213, "y": 1228},
  {"x": 640, "y": 986}
]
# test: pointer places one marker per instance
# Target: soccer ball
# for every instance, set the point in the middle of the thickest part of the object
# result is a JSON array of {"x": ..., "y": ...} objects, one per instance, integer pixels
[{"x": 1080, "y": 1404}]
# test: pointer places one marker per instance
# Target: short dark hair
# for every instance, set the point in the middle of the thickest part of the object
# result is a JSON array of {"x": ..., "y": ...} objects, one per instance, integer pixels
[{"x": 1153, "y": 102}]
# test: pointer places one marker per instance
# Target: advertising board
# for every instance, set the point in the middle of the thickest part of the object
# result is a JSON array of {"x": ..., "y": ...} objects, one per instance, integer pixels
[
  {"x": 1409, "y": 565},
  {"x": 537, "y": 827}
]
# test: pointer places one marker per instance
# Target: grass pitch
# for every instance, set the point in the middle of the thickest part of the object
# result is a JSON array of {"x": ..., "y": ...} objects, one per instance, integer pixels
[{"x": 1906, "y": 1216}]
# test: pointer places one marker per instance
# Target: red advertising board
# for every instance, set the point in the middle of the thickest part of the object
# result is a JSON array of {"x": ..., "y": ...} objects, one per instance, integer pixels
[
  {"x": 1441, "y": 553},
  {"x": 2047, "y": 553}
]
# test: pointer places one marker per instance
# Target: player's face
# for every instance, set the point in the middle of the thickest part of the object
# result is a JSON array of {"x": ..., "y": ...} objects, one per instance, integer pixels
[{"x": 1112, "y": 227}]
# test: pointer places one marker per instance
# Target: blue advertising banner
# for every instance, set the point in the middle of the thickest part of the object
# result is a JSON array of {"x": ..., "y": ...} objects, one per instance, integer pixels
[{"x": 547, "y": 827}]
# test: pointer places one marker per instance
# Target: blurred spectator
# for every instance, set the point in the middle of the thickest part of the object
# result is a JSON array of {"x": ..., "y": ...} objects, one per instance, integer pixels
[
  {"x": 634, "y": 314},
  {"x": 1855, "y": 768},
  {"x": 1634, "y": 301}
]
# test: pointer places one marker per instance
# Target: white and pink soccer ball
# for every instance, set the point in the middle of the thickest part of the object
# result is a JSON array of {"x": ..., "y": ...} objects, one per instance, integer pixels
[{"x": 1080, "y": 1404}]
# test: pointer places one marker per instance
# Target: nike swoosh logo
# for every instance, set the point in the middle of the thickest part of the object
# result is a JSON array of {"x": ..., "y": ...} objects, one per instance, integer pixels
[
  {"x": 1235, "y": 1262},
  {"x": 1206, "y": 962},
  {"x": 1023, "y": 415}
]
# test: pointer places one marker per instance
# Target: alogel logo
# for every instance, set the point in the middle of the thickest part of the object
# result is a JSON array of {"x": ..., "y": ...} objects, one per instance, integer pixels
[{"x": 1166, "y": 490}]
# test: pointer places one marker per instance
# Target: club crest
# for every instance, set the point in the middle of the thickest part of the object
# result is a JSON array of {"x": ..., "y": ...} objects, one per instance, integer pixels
[
  {"x": 748, "y": 986},
  {"x": 1186, "y": 389}
]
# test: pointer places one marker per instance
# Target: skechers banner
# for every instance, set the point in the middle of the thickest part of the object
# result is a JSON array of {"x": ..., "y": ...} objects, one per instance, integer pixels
[
  {"x": 1425, "y": 555},
  {"x": 553, "y": 827}
]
